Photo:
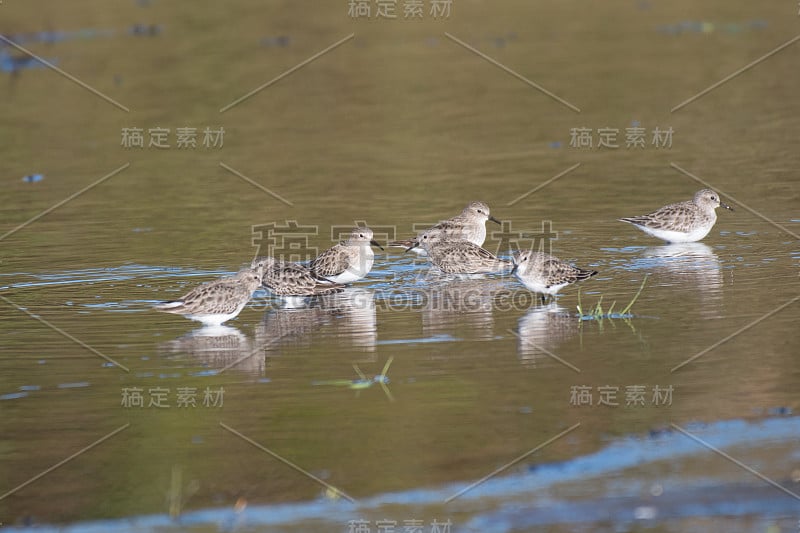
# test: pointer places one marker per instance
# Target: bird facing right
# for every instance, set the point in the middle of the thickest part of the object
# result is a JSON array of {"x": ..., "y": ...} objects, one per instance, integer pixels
[
  {"x": 218, "y": 301},
  {"x": 349, "y": 260},
  {"x": 545, "y": 274},
  {"x": 687, "y": 221}
]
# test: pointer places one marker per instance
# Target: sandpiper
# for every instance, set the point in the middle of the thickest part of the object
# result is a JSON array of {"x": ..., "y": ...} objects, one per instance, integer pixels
[
  {"x": 287, "y": 279},
  {"x": 461, "y": 257},
  {"x": 545, "y": 274},
  {"x": 687, "y": 221},
  {"x": 218, "y": 301},
  {"x": 469, "y": 225},
  {"x": 347, "y": 261}
]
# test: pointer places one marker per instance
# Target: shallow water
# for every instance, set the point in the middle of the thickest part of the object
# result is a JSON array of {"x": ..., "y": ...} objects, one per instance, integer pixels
[{"x": 398, "y": 127}]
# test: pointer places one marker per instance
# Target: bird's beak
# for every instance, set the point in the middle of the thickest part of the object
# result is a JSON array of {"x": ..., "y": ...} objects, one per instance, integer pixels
[
  {"x": 373, "y": 242},
  {"x": 495, "y": 220},
  {"x": 514, "y": 270},
  {"x": 726, "y": 206},
  {"x": 412, "y": 246}
]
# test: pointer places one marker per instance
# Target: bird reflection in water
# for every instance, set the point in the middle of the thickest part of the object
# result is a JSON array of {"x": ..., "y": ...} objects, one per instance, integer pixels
[
  {"x": 541, "y": 331},
  {"x": 218, "y": 347}
]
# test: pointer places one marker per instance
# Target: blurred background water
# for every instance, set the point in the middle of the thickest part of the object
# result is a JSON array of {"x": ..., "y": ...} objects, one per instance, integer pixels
[{"x": 399, "y": 125}]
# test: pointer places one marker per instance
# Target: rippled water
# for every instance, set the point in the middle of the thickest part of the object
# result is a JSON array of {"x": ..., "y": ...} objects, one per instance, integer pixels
[{"x": 276, "y": 420}]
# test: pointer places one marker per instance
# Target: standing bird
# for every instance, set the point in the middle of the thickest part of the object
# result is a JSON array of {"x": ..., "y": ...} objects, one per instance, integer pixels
[
  {"x": 545, "y": 274},
  {"x": 461, "y": 257},
  {"x": 287, "y": 279},
  {"x": 218, "y": 301},
  {"x": 347, "y": 261},
  {"x": 469, "y": 225},
  {"x": 687, "y": 221}
]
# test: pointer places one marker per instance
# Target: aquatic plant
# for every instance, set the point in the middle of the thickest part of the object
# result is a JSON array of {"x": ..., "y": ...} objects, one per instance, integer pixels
[{"x": 598, "y": 313}]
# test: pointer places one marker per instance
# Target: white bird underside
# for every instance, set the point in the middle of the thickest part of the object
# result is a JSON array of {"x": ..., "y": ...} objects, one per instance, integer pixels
[
  {"x": 541, "y": 288},
  {"x": 354, "y": 272},
  {"x": 217, "y": 301},
  {"x": 674, "y": 236},
  {"x": 681, "y": 222},
  {"x": 208, "y": 319},
  {"x": 214, "y": 320}
]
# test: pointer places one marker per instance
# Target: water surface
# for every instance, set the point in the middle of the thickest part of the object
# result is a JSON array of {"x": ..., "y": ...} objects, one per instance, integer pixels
[{"x": 398, "y": 126}]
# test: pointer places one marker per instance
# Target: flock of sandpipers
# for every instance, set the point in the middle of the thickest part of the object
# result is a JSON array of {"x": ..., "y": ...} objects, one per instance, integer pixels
[{"x": 453, "y": 246}]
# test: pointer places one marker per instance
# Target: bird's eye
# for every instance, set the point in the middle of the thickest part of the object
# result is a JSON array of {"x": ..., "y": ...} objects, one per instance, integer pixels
[
  {"x": 361, "y": 235},
  {"x": 479, "y": 211}
]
